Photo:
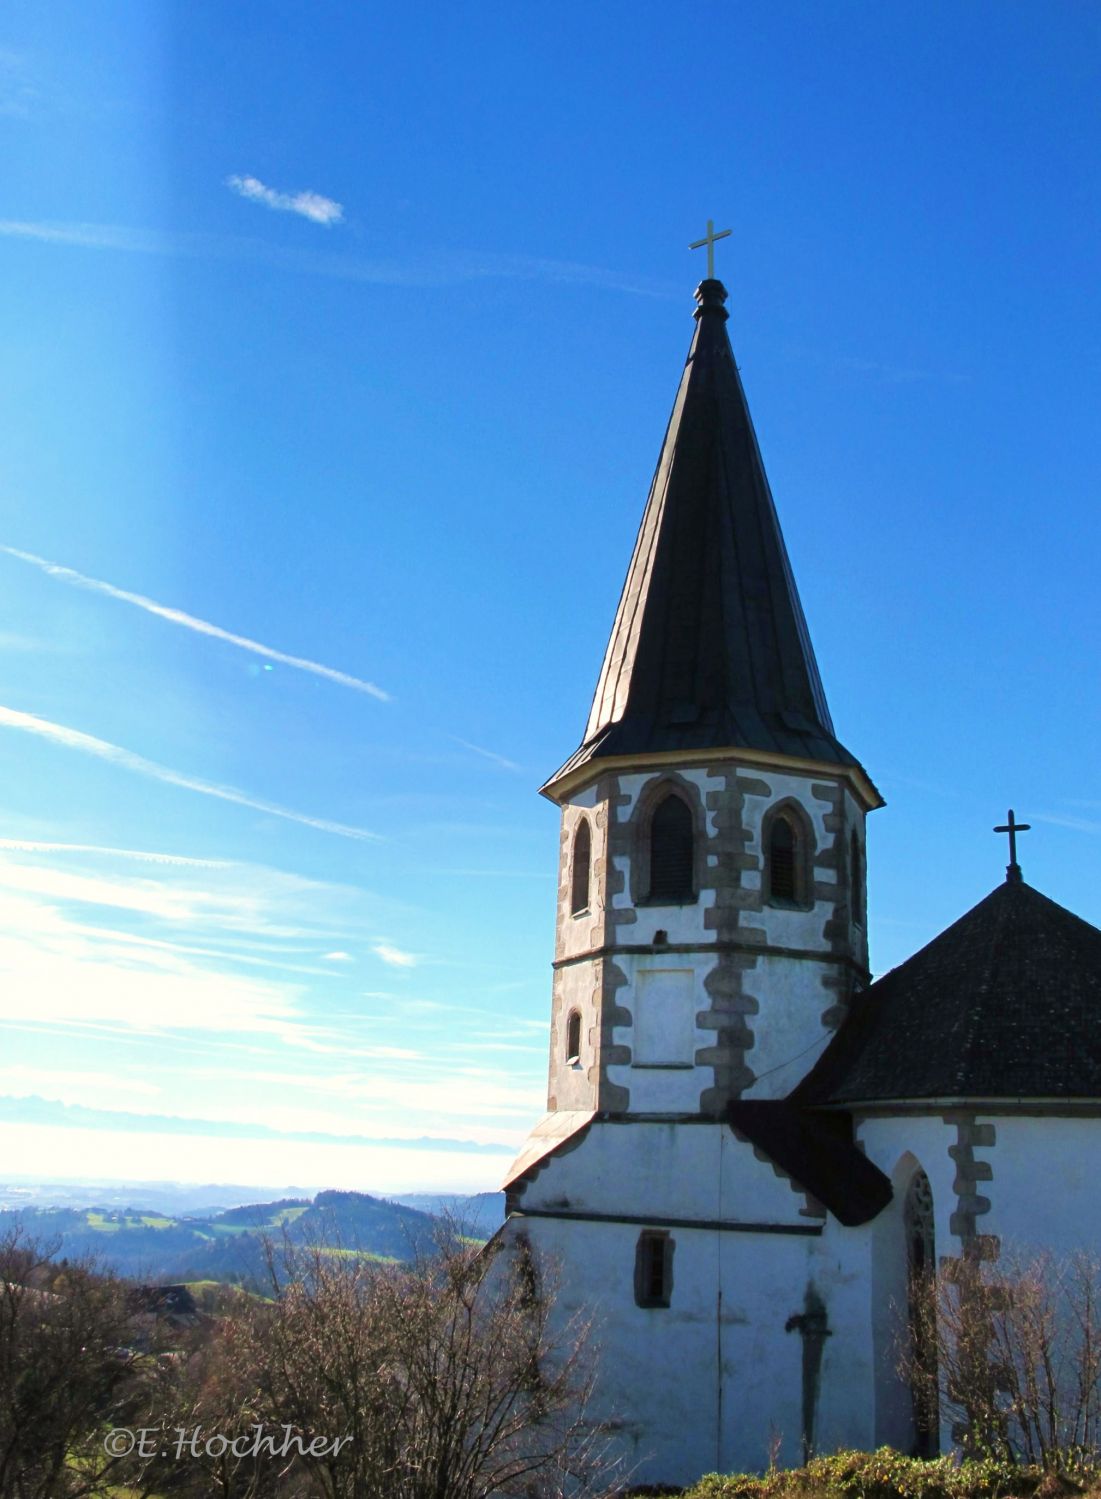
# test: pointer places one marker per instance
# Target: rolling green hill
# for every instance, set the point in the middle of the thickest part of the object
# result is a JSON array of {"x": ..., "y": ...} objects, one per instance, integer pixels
[{"x": 225, "y": 1246}]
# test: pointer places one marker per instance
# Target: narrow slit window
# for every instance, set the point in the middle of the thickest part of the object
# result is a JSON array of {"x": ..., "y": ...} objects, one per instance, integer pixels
[
  {"x": 573, "y": 1037},
  {"x": 671, "y": 852},
  {"x": 653, "y": 1268},
  {"x": 783, "y": 851},
  {"x": 580, "y": 869}
]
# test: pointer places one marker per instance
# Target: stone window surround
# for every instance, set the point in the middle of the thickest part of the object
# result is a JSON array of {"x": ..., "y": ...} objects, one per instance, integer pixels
[
  {"x": 582, "y": 824},
  {"x": 573, "y": 1053},
  {"x": 806, "y": 851},
  {"x": 646, "y": 804}
]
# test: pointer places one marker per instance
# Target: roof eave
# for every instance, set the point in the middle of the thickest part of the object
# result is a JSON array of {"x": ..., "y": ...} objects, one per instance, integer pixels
[
  {"x": 567, "y": 782},
  {"x": 971, "y": 1102}
]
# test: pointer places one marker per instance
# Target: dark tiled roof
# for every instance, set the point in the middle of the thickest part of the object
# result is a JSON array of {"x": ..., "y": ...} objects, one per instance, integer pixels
[
  {"x": 710, "y": 648},
  {"x": 1005, "y": 1004},
  {"x": 818, "y": 1153}
]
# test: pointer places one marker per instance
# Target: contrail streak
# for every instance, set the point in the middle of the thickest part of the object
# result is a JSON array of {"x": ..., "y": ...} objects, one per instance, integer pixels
[
  {"x": 200, "y": 626},
  {"x": 102, "y": 749},
  {"x": 145, "y": 856},
  {"x": 440, "y": 268},
  {"x": 488, "y": 754}
]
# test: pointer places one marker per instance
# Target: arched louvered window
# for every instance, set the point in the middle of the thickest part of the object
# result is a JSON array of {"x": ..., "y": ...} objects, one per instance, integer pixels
[
  {"x": 671, "y": 852},
  {"x": 573, "y": 1036},
  {"x": 783, "y": 860},
  {"x": 856, "y": 879},
  {"x": 579, "y": 869}
]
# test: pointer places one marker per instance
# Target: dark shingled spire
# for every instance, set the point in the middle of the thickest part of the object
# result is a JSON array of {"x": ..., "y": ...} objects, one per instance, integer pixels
[{"x": 710, "y": 648}]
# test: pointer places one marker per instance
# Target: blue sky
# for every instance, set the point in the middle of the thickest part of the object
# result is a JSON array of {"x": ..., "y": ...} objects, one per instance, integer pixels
[{"x": 351, "y": 332}]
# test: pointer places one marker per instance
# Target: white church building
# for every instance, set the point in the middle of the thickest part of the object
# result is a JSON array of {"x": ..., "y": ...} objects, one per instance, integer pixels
[{"x": 749, "y": 1148}]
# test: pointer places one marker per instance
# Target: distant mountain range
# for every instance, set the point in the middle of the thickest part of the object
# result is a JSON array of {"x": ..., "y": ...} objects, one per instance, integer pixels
[
  {"x": 227, "y": 1243},
  {"x": 179, "y": 1199}
]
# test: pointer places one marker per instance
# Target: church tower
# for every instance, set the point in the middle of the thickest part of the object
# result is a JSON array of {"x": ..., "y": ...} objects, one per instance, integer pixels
[
  {"x": 711, "y": 897},
  {"x": 750, "y": 1152},
  {"x": 711, "y": 936}
]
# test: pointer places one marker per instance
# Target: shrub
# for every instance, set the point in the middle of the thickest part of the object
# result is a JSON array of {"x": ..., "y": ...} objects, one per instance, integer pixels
[
  {"x": 1017, "y": 1366},
  {"x": 884, "y": 1474}
]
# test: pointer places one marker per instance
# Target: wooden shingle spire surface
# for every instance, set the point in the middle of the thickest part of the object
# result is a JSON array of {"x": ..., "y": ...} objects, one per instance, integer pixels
[{"x": 710, "y": 648}]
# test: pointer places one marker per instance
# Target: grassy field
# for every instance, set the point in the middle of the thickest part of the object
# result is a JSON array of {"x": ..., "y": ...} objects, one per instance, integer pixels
[{"x": 111, "y": 1223}]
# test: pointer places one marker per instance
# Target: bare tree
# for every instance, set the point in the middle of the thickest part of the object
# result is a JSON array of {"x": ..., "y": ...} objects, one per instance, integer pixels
[
  {"x": 1018, "y": 1356},
  {"x": 66, "y": 1372},
  {"x": 202, "y": 1414},
  {"x": 449, "y": 1377},
  {"x": 445, "y": 1378}
]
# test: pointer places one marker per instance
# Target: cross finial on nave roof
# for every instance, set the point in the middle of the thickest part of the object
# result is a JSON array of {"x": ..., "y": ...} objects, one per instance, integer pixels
[{"x": 1013, "y": 827}]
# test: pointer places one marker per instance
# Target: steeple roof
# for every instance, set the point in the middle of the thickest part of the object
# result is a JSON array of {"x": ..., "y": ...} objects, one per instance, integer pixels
[{"x": 710, "y": 648}]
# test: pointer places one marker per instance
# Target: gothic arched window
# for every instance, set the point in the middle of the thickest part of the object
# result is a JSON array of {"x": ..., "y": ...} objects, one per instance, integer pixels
[
  {"x": 671, "y": 852},
  {"x": 856, "y": 879},
  {"x": 579, "y": 868},
  {"x": 573, "y": 1036}
]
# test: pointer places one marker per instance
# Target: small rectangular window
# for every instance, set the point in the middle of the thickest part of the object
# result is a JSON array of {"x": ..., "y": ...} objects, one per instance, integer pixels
[{"x": 654, "y": 1268}]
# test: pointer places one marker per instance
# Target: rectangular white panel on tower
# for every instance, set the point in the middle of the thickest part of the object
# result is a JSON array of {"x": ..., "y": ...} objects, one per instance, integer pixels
[{"x": 664, "y": 1033}]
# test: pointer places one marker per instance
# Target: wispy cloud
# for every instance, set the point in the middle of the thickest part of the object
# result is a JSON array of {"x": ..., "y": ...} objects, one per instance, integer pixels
[
  {"x": 103, "y": 237},
  {"x": 394, "y": 955},
  {"x": 86, "y": 938},
  {"x": 145, "y": 856},
  {"x": 486, "y": 754},
  {"x": 114, "y": 969},
  {"x": 430, "y": 268},
  {"x": 1076, "y": 824},
  {"x": 11, "y": 640},
  {"x": 338, "y": 957},
  {"x": 50, "y": 1104},
  {"x": 102, "y": 749},
  {"x": 190, "y": 622},
  {"x": 59, "y": 973},
  {"x": 17, "y": 95},
  {"x": 307, "y": 204},
  {"x": 896, "y": 374},
  {"x": 882, "y": 372}
]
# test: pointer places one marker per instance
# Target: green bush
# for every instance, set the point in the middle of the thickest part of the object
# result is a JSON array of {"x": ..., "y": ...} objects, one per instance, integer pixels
[{"x": 885, "y": 1474}]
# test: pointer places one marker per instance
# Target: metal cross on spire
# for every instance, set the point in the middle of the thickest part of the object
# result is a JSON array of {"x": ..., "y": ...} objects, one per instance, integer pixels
[
  {"x": 709, "y": 240},
  {"x": 1013, "y": 827}
]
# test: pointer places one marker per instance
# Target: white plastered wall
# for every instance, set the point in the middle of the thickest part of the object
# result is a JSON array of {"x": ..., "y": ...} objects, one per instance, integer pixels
[
  {"x": 711, "y": 1381},
  {"x": 1043, "y": 1190}
]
